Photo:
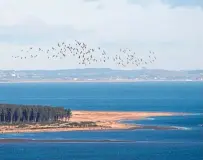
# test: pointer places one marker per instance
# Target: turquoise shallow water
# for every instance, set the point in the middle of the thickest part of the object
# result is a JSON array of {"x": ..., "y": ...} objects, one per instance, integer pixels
[{"x": 151, "y": 144}]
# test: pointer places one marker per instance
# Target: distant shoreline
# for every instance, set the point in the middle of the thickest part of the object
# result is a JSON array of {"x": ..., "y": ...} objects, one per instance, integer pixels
[
  {"x": 96, "y": 81},
  {"x": 103, "y": 120}
]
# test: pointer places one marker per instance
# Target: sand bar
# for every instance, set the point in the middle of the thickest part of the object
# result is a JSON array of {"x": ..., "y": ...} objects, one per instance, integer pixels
[{"x": 104, "y": 120}]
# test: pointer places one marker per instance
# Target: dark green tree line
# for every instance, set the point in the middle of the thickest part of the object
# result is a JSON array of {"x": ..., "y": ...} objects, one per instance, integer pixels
[{"x": 11, "y": 113}]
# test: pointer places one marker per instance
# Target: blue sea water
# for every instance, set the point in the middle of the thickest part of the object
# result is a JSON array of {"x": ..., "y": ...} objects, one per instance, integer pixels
[{"x": 143, "y": 96}]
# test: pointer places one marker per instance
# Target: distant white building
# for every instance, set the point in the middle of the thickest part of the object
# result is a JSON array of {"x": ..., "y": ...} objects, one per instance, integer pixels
[{"x": 13, "y": 75}]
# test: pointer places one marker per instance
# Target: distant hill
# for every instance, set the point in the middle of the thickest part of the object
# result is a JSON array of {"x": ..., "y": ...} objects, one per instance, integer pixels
[{"x": 100, "y": 74}]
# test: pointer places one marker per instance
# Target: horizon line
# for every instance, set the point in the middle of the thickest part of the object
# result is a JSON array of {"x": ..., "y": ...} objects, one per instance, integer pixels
[{"x": 100, "y": 69}]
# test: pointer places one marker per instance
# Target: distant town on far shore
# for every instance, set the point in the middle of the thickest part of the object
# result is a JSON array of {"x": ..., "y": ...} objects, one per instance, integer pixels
[{"x": 99, "y": 74}]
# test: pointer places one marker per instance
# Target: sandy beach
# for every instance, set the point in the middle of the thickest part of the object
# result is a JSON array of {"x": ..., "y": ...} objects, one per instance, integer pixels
[{"x": 104, "y": 121}]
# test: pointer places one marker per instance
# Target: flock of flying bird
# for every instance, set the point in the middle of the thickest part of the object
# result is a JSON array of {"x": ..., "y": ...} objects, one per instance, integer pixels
[{"x": 86, "y": 55}]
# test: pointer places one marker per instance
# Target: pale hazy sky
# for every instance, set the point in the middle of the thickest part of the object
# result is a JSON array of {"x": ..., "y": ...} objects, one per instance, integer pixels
[{"x": 171, "y": 28}]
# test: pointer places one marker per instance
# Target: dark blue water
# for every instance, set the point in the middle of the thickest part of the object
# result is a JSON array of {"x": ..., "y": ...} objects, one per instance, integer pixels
[
  {"x": 103, "y": 151},
  {"x": 151, "y": 144},
  {"x": 165, "y": 96}
]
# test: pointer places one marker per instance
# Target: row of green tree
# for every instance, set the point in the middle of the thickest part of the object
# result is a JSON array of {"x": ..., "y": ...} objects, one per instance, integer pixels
[{"x": 12, "y": 113}]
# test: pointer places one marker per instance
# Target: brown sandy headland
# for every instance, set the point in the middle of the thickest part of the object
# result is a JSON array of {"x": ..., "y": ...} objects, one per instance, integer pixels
[{"x": 91, "y": 120}]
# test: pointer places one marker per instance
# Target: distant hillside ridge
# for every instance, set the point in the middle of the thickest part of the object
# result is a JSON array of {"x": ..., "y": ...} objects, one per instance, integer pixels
[{"x": 100, "y": 74}]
